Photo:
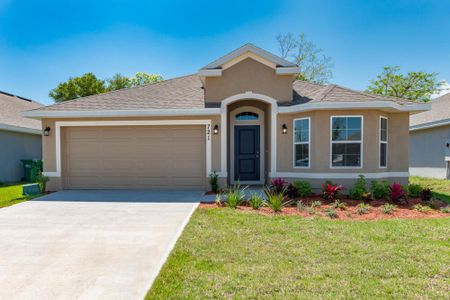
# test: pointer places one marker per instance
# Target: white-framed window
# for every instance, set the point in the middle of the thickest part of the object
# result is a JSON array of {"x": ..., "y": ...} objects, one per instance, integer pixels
[
  {"x": 346, "y": 145},
  {"x": 302, "y": 142},
  {"x": 383, "y": 138}
]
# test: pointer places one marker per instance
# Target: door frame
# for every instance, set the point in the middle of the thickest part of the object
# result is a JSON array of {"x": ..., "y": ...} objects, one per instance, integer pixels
[{"x": 260, "y": 122}]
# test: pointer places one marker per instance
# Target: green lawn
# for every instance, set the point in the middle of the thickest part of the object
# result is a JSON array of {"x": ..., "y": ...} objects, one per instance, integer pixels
[
  {"x": 440, "y": 187},
  {"x": 224, "y": 253},
  {"x": 12, "y": 194}
]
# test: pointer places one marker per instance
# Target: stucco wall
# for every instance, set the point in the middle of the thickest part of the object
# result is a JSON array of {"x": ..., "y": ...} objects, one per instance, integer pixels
[
  {"x": 248, "y": 75},
  {"x": 427, "y": 152},
  {"x": 14, "y": 147},
  {"x": 398, "y": 128}
]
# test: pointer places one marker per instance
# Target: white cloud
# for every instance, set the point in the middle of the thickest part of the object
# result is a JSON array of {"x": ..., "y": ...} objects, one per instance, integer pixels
[{"x": 445, "y": 89}]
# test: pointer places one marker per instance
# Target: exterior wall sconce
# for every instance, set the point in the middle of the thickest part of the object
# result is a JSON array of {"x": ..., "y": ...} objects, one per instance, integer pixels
[
  {"x": 284, "y": 129},
  {"x": 47, "y": 131},
  {"x": 216, "y": 129}
]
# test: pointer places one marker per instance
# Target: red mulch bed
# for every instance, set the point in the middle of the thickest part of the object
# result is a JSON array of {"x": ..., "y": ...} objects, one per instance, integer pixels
[{"x": 349, "y": 213}]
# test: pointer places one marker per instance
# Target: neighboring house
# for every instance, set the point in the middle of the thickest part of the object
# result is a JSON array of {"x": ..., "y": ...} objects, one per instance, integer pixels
[
  {"x": 429, "y": 144},
  {"x": 243, "y": 116},
  {"x": 20, "y": 138}
]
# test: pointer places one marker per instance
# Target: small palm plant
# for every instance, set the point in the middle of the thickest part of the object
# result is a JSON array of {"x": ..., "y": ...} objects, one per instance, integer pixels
[
  {"x": 255, "y": 201},
  {"x": 274, "y": 200},
  {"x": 235, "y": 195}
]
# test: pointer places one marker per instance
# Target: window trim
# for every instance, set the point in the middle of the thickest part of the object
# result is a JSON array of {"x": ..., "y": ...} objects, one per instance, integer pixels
[
  {"x": 301, "y": 143},
  {"x": 383, "y": 142},
  {"x": 361, "y": 142},
  {"x": 246, "y": 112}
]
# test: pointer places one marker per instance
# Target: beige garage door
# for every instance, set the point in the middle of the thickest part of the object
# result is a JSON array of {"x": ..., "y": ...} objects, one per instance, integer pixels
[{"x": 165, "y": 157}]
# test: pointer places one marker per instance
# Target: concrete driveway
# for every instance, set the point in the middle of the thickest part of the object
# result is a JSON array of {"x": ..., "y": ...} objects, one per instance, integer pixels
[{"x": 89, "y": 244}]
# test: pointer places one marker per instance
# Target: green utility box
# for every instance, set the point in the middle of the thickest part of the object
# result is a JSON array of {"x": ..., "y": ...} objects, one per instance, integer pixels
[{"x": 32, "y": 168}]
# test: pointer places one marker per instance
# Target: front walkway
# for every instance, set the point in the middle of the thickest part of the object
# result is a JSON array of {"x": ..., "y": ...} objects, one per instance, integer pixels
[{"x": 89, "y": 244}]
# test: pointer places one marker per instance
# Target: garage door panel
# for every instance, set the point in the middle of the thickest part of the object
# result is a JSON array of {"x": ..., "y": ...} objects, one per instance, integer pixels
[{"x": 166, "y": 157}]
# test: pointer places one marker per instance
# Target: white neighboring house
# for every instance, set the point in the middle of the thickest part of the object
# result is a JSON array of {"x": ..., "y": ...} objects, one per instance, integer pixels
[{"x": 429, "y": 145}]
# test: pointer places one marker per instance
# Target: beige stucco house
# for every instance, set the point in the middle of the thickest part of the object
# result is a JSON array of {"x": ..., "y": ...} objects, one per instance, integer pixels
[{"x": 243, "y": 116}]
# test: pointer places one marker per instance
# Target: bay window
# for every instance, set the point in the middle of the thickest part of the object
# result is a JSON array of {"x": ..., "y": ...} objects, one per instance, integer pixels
[
  {"x": 302, "y": 138},
  {"x": 383, "y": 141},
  {"x": 346, "y": 141}
]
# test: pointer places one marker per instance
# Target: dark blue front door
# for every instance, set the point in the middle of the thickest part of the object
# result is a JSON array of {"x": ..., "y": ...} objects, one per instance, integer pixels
[{"x": 246, "y": 153}]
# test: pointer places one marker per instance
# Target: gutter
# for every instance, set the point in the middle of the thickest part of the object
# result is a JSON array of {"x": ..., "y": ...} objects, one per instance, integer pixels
[
  {"x": 430, "y": 125},
  {"x": 354, "y": 105},
  {"x": 39, "y": 114},
  {"x": 20, "y": 129}
]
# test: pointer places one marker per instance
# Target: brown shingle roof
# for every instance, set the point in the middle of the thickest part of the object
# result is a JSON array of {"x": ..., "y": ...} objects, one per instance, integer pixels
[
  {"x": 307, "y": 92},
  {"x": 181, "y": 92},
  {"x": 187, "y": 93},
  {"x": 12, "y": 106},
  {"x": 440, "y": 110}
]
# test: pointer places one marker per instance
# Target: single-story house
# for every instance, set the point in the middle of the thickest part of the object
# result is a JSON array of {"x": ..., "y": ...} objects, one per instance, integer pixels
[
  {"x": 243, "y": 115},
  {"x": 20, "y": 138},
  {"x": 429, "y": 141}
]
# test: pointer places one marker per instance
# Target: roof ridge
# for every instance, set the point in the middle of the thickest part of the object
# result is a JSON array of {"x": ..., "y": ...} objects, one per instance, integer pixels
[
  {"x": 325, "y": 92},
  {"x": 119, "y": 90}
]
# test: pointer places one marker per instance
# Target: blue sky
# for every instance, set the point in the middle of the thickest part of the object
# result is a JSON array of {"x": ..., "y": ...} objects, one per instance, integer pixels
[{"x": 45, "y": 42}]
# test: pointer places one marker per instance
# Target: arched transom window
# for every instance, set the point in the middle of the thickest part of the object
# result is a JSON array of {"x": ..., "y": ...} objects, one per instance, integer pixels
[{"x": 247, "y": 116}]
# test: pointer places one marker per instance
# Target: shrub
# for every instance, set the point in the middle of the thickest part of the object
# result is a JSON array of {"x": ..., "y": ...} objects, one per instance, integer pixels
[
  {"x": 278, "y": 185},
  {"x": 446, "y": 209},
  {"x": 235, "y": 195},
  {"x": 338, "y": 204},
  {"x": 255, "y": 201},
  {"x": 301, "y": 206},
  {"x": 331, "y": 191},
  {"x": 291, "y": 191},
  {"x": 397, "y": 193},
  {"x": 274, "y": 200},
  {"x": 362, "y": 209},
  {"x": 426, "y": 194},
  {"x": 422, "y": 208},
  {"x": 214, "y": 181},
  {"x": 331, "y": 213},
  {"x": 303, "y": 188},
  {"x": 42, "y": 181},
  {"x": 388, "y": 208},
  {"x": 218, "y": 200},
  {"x": 311, "y": 210},
  {"x": 316, "y": 203},
  {"x": 359, "y": 189},
  {"x": 379, "y": 189},
  {"x": 414, "y": 190}
]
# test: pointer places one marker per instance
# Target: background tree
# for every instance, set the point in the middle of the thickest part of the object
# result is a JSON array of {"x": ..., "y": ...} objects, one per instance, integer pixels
[
  {"x": 85, "y": 85},
  {"x": 418, "y": 86},
  {"x": 314, "y": 65},
  {"x": 118, "y": 82},
  {"x": 88, "y": 84},
  {"x": 141, "y": 78}
]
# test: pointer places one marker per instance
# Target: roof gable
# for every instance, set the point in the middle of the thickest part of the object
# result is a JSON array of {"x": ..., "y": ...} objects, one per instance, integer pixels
[{"x": 282, "y": 66}]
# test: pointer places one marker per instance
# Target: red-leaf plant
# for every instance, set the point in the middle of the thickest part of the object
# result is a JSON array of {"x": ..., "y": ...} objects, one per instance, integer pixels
[
  {"x": 396, "y": 193},
  {"x": 331, "y": 191},
  {"x": 278, "y": 185}
]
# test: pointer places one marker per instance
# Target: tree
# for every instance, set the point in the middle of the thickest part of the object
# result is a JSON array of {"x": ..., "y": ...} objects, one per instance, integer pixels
[
  {"x": 418, "y": 86},
  {"x": 118, "y": 82},
  {"x": 85, "y": 85},
  {"x": 141, "y": 78},
  {"x": 314, "y": 65},
  {"x": 88, "y": 84}
]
